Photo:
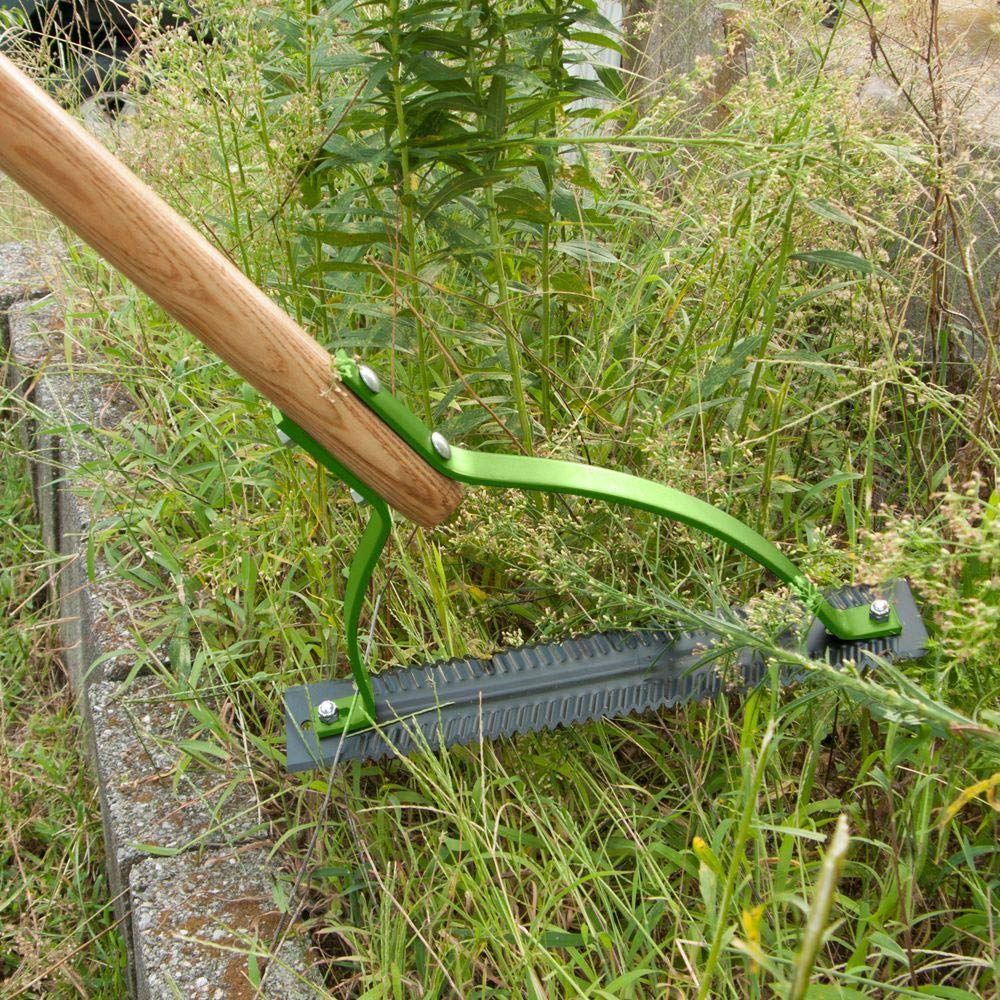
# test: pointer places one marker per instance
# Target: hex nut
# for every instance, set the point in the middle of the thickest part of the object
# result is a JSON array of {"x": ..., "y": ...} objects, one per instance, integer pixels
[
  {"x": 327, "y": 711},
  {"x": 879, "y": 610}
]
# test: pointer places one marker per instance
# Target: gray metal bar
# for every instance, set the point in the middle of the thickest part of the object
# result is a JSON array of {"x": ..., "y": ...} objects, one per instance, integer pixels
[{"x": 607, "y": 675}]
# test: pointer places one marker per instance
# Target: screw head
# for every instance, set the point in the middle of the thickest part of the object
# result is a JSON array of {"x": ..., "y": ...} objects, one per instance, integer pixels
[
  {"x": 440, "y": 444},
  {"x": 879, "y": 610},
  {"x": 327, "y": 711},
  {"x": 370, "y": 379}
]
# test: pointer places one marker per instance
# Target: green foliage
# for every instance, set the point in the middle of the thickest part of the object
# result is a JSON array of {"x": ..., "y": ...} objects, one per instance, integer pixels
[
  {"x": 440, "y": 165},
  {"x": 56, "y": 916}
]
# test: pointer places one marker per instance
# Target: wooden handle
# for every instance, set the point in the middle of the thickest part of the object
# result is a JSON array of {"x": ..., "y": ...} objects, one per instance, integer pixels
[{"x": 56, "y": 160}]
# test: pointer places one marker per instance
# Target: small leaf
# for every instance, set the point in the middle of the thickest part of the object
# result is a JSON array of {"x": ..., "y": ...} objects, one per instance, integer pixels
[
  {"x": 887, "y": 947},
  {"x": 253, "y": 970},
  {"x": 458, "y": 186},
  {"x": 587, "y": 250},
  {"x": 198, "y": 747},
  {"x": 827, "y": 211},
  {"x": 156, "y": 850},
  {"x": 839, "y": 259},
  {"x": 597, "y": 40}
]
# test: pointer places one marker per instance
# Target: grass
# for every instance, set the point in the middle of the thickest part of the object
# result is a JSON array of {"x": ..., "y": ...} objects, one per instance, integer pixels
[
  {"x": 720, "y": 307},
  {"x": 57, "y": 929}
]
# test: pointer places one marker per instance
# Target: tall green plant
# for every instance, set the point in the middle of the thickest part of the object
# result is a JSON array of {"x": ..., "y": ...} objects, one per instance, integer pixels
[{"x": 434, "y": 166}]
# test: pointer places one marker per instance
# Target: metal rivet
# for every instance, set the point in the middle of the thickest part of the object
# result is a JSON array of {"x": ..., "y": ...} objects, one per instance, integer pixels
[
  {"x": 441, "y": 446},
  {"x": 327, "y": 711},
  {"x": 283, "y": 437},
  {"x": 357, "y": 497},
  {"x": 370, "y": 379},
  {"x": 879, "y": 610}
]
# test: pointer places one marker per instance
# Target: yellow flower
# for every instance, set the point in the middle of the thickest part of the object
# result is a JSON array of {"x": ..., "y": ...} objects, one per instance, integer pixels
[{"x": 751, "y": 928}]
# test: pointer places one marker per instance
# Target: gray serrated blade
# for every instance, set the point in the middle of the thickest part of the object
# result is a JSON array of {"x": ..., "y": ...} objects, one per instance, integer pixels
[{"x": 607, "y": 675}]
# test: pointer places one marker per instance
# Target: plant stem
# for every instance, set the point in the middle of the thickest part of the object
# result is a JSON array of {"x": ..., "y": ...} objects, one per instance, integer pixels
[
  {"x": 742, "y": 835},
  {"x": 406, "y": 208},
  {"x": 555, "y": 83},
  {"x": 546, "y": 320},
  {"x": 513, "y": 352},
  {"x": 819, "y": 912}
]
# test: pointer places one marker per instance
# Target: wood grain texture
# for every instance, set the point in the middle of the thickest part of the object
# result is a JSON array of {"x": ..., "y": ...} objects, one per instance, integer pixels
[{"x": 55, "y": 159}]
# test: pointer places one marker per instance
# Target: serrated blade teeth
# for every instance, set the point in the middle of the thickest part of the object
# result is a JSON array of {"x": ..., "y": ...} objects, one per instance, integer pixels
[{"x": 526, "y": 690}]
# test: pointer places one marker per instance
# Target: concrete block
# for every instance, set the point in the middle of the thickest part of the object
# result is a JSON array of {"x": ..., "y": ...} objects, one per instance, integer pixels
[
  {"x": 195, "y": 920},
  {"x": 152, "y": 794},
  {"x": 24, "y": 272},
  {"x": 99, "y": 610},
  {"x": 189, "y": 920},
  {"x": 70, "y": 411},
  {"x": 33, "y": 331},
  {"x": 34, "y": 340},
  {"x": 20, "y": 280}
]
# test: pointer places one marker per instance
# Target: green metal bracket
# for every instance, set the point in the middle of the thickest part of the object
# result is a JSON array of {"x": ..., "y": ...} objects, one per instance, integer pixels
[
  {"x": 357, "y": 712},
  {"x": 551, "y": 476}
]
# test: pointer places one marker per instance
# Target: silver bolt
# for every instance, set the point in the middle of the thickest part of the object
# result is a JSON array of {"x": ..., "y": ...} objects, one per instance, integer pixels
[
  {"x": 327, "y": 711},
  {"x": 283, "y": 437},
  {"x": 879, "y": 610},
  {"x": 370, "y": 379},
  {"x": 441, "y": 446}
]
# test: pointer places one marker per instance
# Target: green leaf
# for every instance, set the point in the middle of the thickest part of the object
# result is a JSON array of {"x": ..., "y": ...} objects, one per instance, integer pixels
[
  {"x": 561, "y": 939},
  {"x": 253, "y": 969},
  {"x": 197, "y": 748},
  {"x": 156, "y": 850},
  {"x": 458, "y": 186},
  {"x": 842, "y": 260},
  {"x": 618, "y": 985},
  {"x": 522, "y": 203},
  {"x": 830, "y": 481},
  {"x": 887, "y": 947},
  {"x": 827, "y": 211},
  {"x": 830, "y": 991},
  {"x": 948, "y": 993},
  {"x": 586, "y": 250},
  {"x": 344, "y": 151},
  {"x": 593, "y": 38}
]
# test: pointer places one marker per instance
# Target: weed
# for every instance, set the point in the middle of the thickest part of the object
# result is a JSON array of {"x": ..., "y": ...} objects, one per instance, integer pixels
[{"x": 57, "y": 924}]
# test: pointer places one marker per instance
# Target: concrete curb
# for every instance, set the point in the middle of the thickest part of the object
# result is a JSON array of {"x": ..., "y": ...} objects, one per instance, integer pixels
[{"x": 185, "y": 840}]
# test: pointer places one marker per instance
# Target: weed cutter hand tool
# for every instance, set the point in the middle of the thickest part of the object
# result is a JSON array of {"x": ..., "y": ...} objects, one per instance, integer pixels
[{"x": 339, "y": 413}]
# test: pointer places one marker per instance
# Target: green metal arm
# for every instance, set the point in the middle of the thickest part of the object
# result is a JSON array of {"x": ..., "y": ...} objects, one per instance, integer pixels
[
  {"x": 357, "y": 712},
  {"x": 549, "y": 476}
]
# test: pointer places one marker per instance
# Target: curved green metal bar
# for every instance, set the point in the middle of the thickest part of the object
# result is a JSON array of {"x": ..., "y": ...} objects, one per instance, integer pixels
[
  {"x": 356, "y": 712},
  {"x": 556, "y": 476},
  {"x": 550, "y": 475},
  {"x": 366, "y": 557}
]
